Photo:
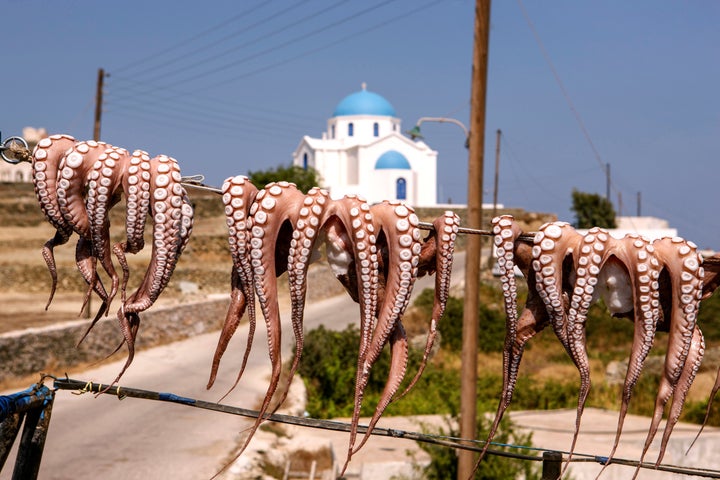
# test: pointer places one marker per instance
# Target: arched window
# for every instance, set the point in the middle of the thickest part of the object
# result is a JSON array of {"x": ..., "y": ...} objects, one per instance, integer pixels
[
  {"x": 332, "y": 132},
  {"x": 305, "y": 161},
  {"x": 376, "y": 129},
  {"x": 401, "y": 189},
  {"x": 351, "y": 129}
]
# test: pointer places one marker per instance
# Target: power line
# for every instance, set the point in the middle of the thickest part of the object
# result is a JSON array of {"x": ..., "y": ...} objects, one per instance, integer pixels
[
  {"x": 331, "y": 44},
  {"x": 222, "y": 104},
  {"x": 290, "y": 42},
  {"x": 190, "y": 109},
  {"x": 189, "y": 94},
  {"x": 197, "y": 36},
  {"x": 193, "y": 65},
  {"x": 564, "y": 91}
]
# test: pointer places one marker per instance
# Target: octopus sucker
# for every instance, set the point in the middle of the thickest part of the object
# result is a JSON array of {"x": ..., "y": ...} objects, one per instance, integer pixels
[
  {"x": 273, "y": 209},
  {"x": 136, "y": 186},
  {"x": 682, "y": 264},
  {"x": 301, "y": 253},
  {"x": 77, "y": 184},
  {"x": 103, "y": 193},
  {"x": 45, "y": 162},
  {"x": 238, "y": 197},
  {"x": 76, "y": 188},
  {"x": 636, "y": 251},
  {"x": 658, "y": 285},
  {"x": 172, "y": 215},
  {"x": 687, "y": 376},
  {"x": 399, "y": 239},
  {"x": 519, "y": 329},
  {"x": 445, "y": 229},
  {"x": 375, "y": 252}
]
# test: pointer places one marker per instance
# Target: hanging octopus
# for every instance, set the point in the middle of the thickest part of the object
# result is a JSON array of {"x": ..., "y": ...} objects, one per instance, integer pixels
[
  {"x": 375, "y": 252},
  {"x": 172, "y": 215},
  {"x": 658, "y": 285},
  {"x": 77, "y": 183},
  {"x": 48, "y": 178}
]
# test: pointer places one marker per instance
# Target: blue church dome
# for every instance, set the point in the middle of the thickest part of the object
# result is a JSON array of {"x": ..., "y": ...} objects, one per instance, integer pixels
[
  {"x": 364, "y": 103},
  {"x": 392, "y": 159}
]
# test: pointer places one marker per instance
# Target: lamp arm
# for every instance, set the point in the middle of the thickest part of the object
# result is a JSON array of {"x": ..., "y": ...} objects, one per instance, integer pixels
[{"x": 444, "y": 120}]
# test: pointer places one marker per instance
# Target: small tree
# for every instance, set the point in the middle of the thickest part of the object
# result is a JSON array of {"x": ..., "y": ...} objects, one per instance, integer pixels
[
  {"x": 305, "y": 179},
  {"x": 592, "y": 210}
]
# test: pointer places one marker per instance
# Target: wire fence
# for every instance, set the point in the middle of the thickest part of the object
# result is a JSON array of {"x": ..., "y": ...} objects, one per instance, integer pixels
[{"x": 548, "y": 457}]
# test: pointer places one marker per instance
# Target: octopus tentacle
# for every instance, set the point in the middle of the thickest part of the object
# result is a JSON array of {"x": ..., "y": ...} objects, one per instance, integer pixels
[
  {"x": 398, "y": 223},
  {"x": 690, "y": 369},
  {"x": 683, "y": 264},
  {"x": 637, "y": 255},
  {"x": 588, "y": 261},
  {"x": 551, "y": 245},
  {"x": 238, "y": 195},
  {"x": 45, "y": 161},
  {"x": 86, "y": 264},
  {"x": 300, "y": 254},
  {"x": 136, "y": 185},
  {"x": 102, "y": 194},
  {"x": 273, "y": 207},
  {"x": 74, "y": 179},
  {"x": 518, "y": 329},
  {"x": 710, "y": 284},
  {"x": 398, "y": 366},
  {"x": 172, "y": 225},
  {"x": 445, "y": 230}
]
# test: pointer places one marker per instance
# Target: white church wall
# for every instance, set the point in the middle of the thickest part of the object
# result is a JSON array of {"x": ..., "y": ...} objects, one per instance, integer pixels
[
  {"x": 385, "y": 185},
  {"x": 427, "y": 182}
]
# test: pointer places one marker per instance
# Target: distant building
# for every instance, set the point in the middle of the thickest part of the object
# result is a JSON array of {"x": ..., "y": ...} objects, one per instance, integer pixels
[
  {"x": 22, "y": 172},
  {"x": 363, "y": 152},
  {"x": 649, "y": 227}
]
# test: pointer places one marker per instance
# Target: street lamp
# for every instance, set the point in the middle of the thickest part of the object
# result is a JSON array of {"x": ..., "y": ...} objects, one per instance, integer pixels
[{"x": 415, "y": 131}]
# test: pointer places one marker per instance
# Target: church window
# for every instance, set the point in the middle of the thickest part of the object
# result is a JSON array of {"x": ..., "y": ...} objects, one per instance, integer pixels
[
  {"x": 305, "y": 161},
  {"x": 376, "y": 129},
  {"x": 401, "y": 189},
  {"x": 351, "y": 129},
  {"x": 332, "y": 132}
]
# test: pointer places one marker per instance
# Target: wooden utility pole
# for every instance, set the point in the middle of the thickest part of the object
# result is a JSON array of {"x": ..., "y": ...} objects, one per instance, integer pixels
[
  {"x": 607, "y": 182},
  {"x": 497, "y": 171},
  {"x": 468, "y": 379},
  {"x": 98, "y": 104},
  {"x": 96, "y": 137}
]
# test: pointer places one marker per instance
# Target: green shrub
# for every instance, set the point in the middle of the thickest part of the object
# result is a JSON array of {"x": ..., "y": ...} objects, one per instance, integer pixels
[
  {"x": 329, "y": 365},
  {"x": 443, "y": 460},
  {"x": 491, "y": 334}
]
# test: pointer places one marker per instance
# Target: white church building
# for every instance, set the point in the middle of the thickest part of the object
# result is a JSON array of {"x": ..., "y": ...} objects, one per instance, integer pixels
[{"x": 363, "y": 152}]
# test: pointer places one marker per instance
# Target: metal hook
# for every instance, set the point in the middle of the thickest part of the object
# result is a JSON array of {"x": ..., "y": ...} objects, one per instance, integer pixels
[{"x": 6, "y": 145}]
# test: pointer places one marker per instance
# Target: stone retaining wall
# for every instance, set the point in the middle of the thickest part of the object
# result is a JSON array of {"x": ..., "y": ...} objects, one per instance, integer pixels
[{"x": 53, "y": 349}]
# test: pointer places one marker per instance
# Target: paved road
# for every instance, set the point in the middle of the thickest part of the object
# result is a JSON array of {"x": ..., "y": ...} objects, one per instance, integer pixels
[{"x": 102, "y": 437}]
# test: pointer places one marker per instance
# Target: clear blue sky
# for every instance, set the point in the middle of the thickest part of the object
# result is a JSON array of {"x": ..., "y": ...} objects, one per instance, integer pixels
[{"x": 231, "y": 86}]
